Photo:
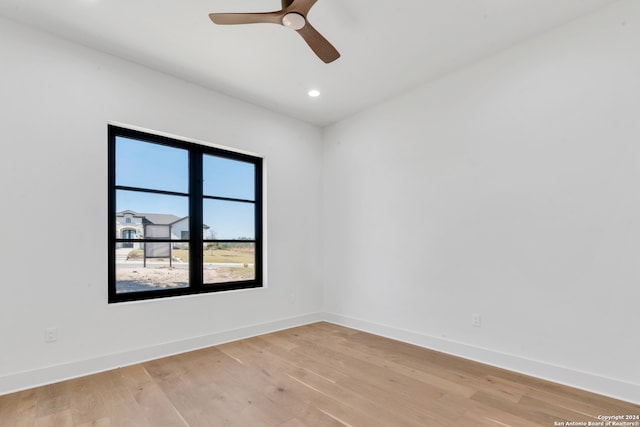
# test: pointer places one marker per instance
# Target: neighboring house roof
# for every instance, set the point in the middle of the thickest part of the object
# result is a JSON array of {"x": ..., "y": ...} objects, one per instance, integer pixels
[
  {"x": 159, "y": 219},
  {"x": 152, "y": 218},
  {"x": 123, "y": 213},
  {"x": 156, "y": 219}
]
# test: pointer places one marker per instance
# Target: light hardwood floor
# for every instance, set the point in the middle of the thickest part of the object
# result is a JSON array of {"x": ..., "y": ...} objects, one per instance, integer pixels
[{"x": 315, "y": 375}]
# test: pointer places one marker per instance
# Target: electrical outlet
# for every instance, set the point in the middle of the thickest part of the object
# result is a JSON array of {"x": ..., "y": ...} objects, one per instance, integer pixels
[
  {"x": 475, "y": 320},
  {"x": 51, "y": 335}
]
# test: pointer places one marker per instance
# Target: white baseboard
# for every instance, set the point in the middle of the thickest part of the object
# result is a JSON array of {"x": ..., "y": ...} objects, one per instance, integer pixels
[
  {"x": 611, "y": 387},
  {"x": 586, "y": 381},
  {"x": 52, "y": 374}
]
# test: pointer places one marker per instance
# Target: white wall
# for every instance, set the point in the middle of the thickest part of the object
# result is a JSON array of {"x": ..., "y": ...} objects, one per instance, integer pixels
[
  {"x": 509, "y": 189},
  {"x": 56, "y": 99}
]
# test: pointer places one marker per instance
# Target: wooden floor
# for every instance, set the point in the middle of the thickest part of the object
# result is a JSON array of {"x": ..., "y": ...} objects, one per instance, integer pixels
[{"x": 315, "y": 375}]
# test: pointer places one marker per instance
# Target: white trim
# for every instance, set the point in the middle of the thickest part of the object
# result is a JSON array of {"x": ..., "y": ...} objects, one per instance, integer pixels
[
  {"x": 612, "y": 387},
  {"x": 184, "y": 138},
  {"x": 66, "y": 371}
]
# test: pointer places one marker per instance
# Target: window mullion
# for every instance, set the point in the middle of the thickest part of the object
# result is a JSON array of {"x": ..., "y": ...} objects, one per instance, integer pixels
[{"x": 195, "y": 224}]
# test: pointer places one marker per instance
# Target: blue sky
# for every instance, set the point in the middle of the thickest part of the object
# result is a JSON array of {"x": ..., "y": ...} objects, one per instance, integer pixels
[{"x": 153, "y": 166}]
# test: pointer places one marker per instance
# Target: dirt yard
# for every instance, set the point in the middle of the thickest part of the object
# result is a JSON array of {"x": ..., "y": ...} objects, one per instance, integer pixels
[{"x": 172, "y": 277}]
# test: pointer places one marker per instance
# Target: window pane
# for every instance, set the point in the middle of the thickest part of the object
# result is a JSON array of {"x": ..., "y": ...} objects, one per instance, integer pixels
[
  {"x": 155, "y": 183},
  {"x": 151, "y": 166},
  {"x": 228, "y": 178},
  {"x": 228, "y": 262},
  {"x": 228, "y": 220},
  {"x": 136, "y": 272},
  {"x": 153, "y": 216}
]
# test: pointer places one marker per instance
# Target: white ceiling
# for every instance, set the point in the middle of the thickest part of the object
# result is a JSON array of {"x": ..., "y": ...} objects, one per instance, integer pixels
[{"x": 387, "y": 47}]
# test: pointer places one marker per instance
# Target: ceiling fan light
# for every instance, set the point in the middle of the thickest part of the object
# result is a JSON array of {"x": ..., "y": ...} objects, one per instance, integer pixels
[{"x": 293, "y": 20}]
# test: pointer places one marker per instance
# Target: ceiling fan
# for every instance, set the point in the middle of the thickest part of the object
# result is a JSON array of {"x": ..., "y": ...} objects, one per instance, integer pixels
[{"x": 292, "y": 15}]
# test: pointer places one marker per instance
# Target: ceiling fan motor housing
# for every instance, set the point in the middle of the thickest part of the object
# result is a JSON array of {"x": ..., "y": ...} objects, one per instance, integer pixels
[{"x": 294, "y": 20}]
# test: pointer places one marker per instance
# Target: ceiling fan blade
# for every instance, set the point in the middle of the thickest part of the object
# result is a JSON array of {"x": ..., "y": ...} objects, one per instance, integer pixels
[
  {"x": 247, "y": 18},
  {"x": 300, "y": 6},
  {"x": 319, "y": 44}
]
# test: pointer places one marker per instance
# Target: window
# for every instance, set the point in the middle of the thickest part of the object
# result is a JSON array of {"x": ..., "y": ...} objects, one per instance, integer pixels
[{"x": 199, "y": 217}]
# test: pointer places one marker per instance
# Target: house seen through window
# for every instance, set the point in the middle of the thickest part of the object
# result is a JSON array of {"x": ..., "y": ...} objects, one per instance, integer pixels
[{"x": 184, "y": 218}]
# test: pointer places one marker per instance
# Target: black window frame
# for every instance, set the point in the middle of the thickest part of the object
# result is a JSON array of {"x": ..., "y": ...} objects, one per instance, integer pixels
[{"x": 196, "y": 240}]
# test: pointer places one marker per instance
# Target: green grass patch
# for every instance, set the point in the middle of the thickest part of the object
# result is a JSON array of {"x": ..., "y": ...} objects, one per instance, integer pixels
[{"x": 135, "y": 253}]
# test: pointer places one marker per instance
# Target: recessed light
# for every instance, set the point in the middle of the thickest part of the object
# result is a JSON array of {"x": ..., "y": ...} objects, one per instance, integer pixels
[{"x": 314, "y": 93}]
